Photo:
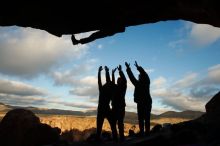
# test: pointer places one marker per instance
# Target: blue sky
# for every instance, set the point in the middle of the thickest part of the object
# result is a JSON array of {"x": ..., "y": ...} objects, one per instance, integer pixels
[{"x": 42, "y": 70}]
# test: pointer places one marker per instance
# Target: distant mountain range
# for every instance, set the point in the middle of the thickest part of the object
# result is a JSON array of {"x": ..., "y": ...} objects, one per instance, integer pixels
[
  {"x": 129, "y": 116},
  {"x": 44, "y": 111},
  {"x": 184, "y": 114}
]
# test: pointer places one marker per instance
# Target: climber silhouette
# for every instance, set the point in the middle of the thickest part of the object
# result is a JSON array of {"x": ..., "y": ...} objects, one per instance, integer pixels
[
  {"x": 104, "y": 111},
  {"x": 142, "y": 97},
  {"x": 118, "y": 100}
]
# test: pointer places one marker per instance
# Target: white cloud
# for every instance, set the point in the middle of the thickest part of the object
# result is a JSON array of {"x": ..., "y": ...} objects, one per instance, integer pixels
[
  {"x": 184, "y": 102},
  {"x": 72, "y": 77},
  {"x": 159, "y": 82},
  {"x": 89, "y": 91},
  {"x": 190, "y": 93},
  {"x": 214, "y": 73},
  {"x": 130, "y": 86},
  {"x": 196, "y": 35},
  {"x": 204, "y": 34},
  {"x": 149, "y": 70},
  {"x": 165, "y": 92},
  {"x": 186, "y": 81},
  {"x": 86, "y": 86},
  {"x": 212, "y": 78},
  {"x": 19, "y": 93},
  {"x": 22, "y": 100},
  {"x": 203, "y": 91},
  {"x": 81, "y": 86},
  {"x": 27, "y": 52},
  {"x": 89, "y": 80},
  {"x": 38, "y": 101},
  {"x": 81, "y": 83},
  {"x": 19, "y": 88},
  {"x": 178, "y": 99}
]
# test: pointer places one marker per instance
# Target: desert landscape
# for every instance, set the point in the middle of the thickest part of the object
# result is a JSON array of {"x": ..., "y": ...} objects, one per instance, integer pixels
[
  {"x": 32, "y": 125},
  {"x": 67, "y": 122},
  {"x": 80, "y": 125}
]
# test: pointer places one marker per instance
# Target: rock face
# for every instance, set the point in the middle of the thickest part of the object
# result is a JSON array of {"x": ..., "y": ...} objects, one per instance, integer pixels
[
  {"x": 212, "y": 115},
  {"x": 21, "y": 127},
  {"x": 41, "y": 134},
  {"x": 109, "y": 17},
  {"x": 201, "y": 131},
  {"x": 15, "y": 124},
  {"x": 213, "y": 105}
]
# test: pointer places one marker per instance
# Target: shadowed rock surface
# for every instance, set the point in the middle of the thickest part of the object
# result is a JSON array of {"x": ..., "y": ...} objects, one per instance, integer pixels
[
  {"x": 21, "y": 127},
  {"x": 14, "y": 126},
  {"x": 201, "y": 131},
  {"x": 213, "y": 105},
  {"x": 108, "y": 17}
]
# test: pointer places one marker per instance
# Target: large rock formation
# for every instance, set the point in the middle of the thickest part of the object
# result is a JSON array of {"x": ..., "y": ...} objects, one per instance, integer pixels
[
  {"x": 14, "y": 126},
  {"x": 213, "y": 105},
  {"x": 109, "y": 17},
  {"x": 201, "y": 131},
  {"x": 21, "y": 127}
]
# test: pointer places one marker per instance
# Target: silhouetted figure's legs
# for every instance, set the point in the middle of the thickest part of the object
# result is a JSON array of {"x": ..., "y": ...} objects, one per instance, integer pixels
[
  {"x": 100, "y": 120},
  {"x": 121, "y": 124},
  {"x": 140, "y": 110},
  {"x": 112, "y": 121},
  {"x": 144, "y": 118},
  {"x": 147, "y": 121}
]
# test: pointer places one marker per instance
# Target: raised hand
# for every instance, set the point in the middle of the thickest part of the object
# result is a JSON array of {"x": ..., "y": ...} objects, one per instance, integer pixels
[
  {"x": 100, "y": 68},
  {"x": 127, "y": 65},
  {"x": 119, "y": 68},
  {"x": 106, "y": 68},
  {"x": 136, "y": 64},
  {"x": 113, "y": 70}
]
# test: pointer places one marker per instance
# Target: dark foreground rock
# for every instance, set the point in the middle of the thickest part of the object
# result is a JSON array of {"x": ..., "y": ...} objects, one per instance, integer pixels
[
  {"x": 21, "y": 127},
  {"x": 199, "y": 132}
]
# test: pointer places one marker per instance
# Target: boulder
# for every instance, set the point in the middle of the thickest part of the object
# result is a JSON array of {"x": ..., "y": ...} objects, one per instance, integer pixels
[
  {"x": 213, "y": 105},
  {"x": 41, "y": 134},
  {"x": 15, "y": 124},
  {"x": 21, "y": 127}
]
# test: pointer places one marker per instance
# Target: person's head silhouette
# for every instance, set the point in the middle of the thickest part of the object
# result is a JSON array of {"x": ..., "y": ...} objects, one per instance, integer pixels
[{"x": 119, "y": 81}]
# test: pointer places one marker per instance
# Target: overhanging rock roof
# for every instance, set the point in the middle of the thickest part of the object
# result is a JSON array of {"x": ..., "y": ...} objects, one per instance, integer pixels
[{"x": 107, "y": 16}]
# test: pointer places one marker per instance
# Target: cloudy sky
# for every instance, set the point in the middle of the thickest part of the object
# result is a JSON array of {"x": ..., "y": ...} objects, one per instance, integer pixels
[{"x": 42, "y": 70}]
